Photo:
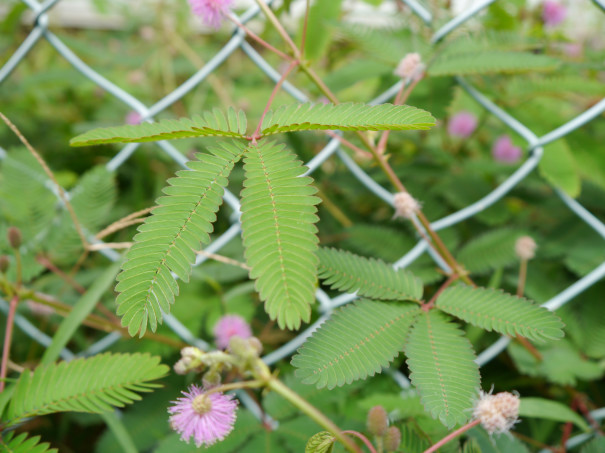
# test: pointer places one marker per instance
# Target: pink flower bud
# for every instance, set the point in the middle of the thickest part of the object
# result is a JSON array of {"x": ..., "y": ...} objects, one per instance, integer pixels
[
  {"x": 377, "y": 421},
  {"x": 230, "y": 326},
  {"x": 462, "y": 125},
  {"x": 553, "y": 13},
  {"x": 133, "y": 118},
  {"x": 505, "y": 151},
  {"x": 410, "y": 67}
]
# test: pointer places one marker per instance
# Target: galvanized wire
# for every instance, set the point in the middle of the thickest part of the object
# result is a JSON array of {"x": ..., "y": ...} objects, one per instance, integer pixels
[{"x": 332, "y": 148}]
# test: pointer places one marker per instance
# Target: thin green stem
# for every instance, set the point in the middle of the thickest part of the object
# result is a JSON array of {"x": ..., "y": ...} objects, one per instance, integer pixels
[
  {"x": 19, "y": 268},
  {"x": 277, "y": 386},
  {"x": 522, "y": 278},
  {"x": 303, "y": 40}
]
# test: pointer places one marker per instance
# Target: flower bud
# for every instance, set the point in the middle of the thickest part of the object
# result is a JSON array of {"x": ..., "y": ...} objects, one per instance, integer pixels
[
  {"x": 525, "y": 248},
  {"x": 377, "y": 421},
  {"x": 182, "y": 366},
  {"x": 405, "y": 205},
  {"x": 14, "y": 237},
  {"x": 392, "y": 439},
  {"x": 4, "y": 263}
]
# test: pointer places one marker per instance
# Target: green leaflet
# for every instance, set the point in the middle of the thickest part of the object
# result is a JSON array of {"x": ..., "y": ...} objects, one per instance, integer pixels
[
  {"x": 358, "y": 341},
  {"x": 441, "y": 361},
  {"x": 493, "y": 309},
  {"x": 24, "y": 444},
  {"x": 95, "y": 385},
  {"x": 596, "y": 445},
  {"x": 346, "y": 117},
  {"x": 169, "y": 238},
  {"x": 550, "y": 410},
  {"x": 214, "y": 123},
  {"x": 490, "y": 62},
  {"x": 322, "y": 442},
  {"x": 279, "y": 232},
  {"x": 369, "y": 277},
  {"x": 491, "y": 251}
]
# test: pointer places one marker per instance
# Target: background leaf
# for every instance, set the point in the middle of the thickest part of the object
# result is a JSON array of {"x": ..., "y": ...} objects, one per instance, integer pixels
[
  {"x": 490, "y": 62},
  {"x": 550, "y": 410},
  {"x": 558, "y": 167},
  {"x": 95, "y": 385}
]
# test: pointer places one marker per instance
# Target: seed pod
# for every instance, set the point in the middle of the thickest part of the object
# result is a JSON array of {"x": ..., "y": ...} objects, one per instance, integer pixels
[{"x": 14, "y": 237}]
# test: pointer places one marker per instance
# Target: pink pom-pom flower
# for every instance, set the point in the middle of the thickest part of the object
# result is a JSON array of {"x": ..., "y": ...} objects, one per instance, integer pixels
[
  {"x": 462, "y": 125},
  {"x": 207, "y": 417},
  {"x": 553, "y": 13},
  {"x": 229, "y": 326},
  {"x": 211, "y": 11},
  {"x": 504, "y": 150}
]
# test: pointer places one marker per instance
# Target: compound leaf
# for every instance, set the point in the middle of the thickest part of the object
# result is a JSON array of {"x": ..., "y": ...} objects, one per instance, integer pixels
[
  {"x": 279, "y": 232},
  {"x": 441, "y": 361},
  {"x": 493, "y": 309},
  {"x": 214, "y": 123},
  {"x": 346, "y": 117},
  {"x": 358, "y": 341},
  {"x": 371, "y": 278},
  {"x": 491, "y": 251},
  {"x": 168, "y": 240},
  {"x": 490, "y": 62},
  {"x": 24, "y": 444},
  {"x": 96, "y": 384},
  {"x": 322, "y": 442}
]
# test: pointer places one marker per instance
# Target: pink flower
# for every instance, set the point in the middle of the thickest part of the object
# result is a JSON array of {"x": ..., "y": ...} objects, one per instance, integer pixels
[
  {"x": 462, "y": 124},
  {"x": 553, "y": 13},
  {"x": 133, "y": 118},
  {"x": 505, "y": 151},
  {"x": 230, "y": 326},
  {"x": 206, "y": 417},
  {"x": 211, "y": 11}
]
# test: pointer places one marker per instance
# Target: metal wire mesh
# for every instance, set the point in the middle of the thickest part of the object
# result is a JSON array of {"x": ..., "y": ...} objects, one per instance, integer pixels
[{"x": 327, "y": 304}]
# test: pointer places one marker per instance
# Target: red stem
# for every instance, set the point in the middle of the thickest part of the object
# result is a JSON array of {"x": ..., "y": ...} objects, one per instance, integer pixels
[
  {"x": 452, "y": 436},
  {"x": 256, "y": 134},
  {"x": 8, "y": 336},
  {"x": 363, "y": 438},
  {"x": 258, "y": 39},
  {"x": 451, "y": 279}
]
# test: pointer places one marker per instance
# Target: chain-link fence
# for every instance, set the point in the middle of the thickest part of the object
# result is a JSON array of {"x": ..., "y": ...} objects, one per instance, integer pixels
[{"x": 327, "y": 304}]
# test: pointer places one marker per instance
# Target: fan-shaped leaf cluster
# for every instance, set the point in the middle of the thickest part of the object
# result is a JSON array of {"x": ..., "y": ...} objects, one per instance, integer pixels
[
  {"x": 94, "y": 385},
  {"x": 441, "y": 361},
  {"x": 168, "y": 240},
  {"x": 22, "y": 444},
  {"x": 368, "y": 277},
  {"x": 490, "y": 62},
  {"x": 493, "y": 309},
  {"x": 214, "y": 123},
  {"x": 279, "y": 232},
  {"x": 346, "y": 117},
  {"x": 357, "y": 342}
]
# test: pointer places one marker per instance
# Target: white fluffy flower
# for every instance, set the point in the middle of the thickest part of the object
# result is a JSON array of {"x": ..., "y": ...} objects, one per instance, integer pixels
[
  {"x": 497, "y": 413},
  {"x": 525, "y": 248},
  {"x": 410, "y": 67},
  {"x": 405, "y": 205}
]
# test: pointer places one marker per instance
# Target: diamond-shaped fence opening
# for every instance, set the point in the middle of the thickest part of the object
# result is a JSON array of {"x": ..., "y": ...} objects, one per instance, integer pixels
[{"x": 534, "y": 146}]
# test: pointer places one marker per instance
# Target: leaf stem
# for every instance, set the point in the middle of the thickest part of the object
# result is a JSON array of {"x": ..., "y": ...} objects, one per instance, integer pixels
[
  {"x": 8, "y": 336},
  {"x": 363, "y": 438},
  {"x": 280, "y": 29},
  {"x": 522, "y": 278},
  {"x": 451, "y": 279},
  {"x": 277, "y": 386},
  {"x": 452, "y": 436},
  {"x": 258, "y": 39}
]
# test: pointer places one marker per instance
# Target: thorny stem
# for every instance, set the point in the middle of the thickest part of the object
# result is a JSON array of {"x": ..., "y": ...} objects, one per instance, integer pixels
[
  {"x": 452, "y": 436},
  {"x": 278, "y": 85},
  {"x": 8, "y": 336},
  {"x": 50, "y": 174},
  {"x": 280, "y": 29},
  {"x": 55, "y": 270},
  {"x": 530, "y": 347},
  {"x": 258, "y": 39},
  {"x": 363, "y": 438},
  {"x": 431, "y": 303}
]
